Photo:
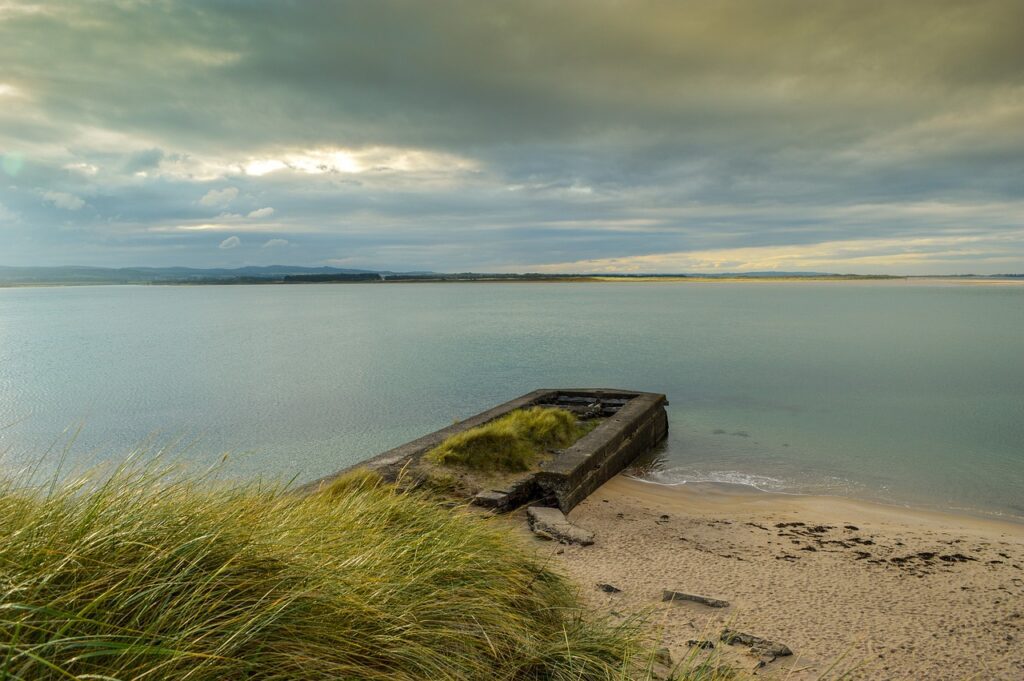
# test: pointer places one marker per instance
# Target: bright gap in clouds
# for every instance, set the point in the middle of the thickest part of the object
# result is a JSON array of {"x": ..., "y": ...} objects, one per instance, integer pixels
[
  {"x": 313, "y": 162},
  {"x": 262, "y": 167},
  {"x": 353, "y": 161},
  {"x": 869, "y": 256}
]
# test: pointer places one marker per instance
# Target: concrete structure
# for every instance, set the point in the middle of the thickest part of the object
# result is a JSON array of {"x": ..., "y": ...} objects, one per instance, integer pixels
[{"x": 633, "y": 423}]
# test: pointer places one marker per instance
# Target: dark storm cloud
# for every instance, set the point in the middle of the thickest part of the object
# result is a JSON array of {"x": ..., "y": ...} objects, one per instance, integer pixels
[{"x": 575, "y": 135}]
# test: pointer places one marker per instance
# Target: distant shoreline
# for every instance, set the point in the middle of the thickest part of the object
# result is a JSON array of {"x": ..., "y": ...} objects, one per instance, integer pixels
[{"x": 994, "y": 280}]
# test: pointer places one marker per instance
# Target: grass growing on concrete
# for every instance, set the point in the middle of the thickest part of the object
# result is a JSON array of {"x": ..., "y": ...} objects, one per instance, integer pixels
[
  {"x": 514, "y": 442},
  {"x": 151, "y": 576}
]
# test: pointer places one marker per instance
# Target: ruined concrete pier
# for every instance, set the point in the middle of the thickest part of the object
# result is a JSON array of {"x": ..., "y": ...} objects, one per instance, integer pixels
[{"x": 632, "y": 423}]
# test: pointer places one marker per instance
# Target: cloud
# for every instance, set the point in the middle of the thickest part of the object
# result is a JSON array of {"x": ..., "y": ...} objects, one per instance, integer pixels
[
  {"x": 262, "y": 212},
  {"x": 274, "y": 243},
  {"x": 64, "y": 200},
  {"x": 230, "y": 242},
  {"x": 522, "y": 135},
  {"x": 264, "y": 166},
  {"x": 219, "y": 198},
  {"x": 866, "y": 255},
  {"x": 141, "y": 161},
  {"x": 7, "y": 215},
  {"x": 84, "y": 168},
  {"x": 378, "y": 159}
]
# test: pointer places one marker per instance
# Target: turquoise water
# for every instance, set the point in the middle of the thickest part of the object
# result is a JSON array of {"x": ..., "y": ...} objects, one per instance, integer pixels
[{"x": 909, "y": 393}]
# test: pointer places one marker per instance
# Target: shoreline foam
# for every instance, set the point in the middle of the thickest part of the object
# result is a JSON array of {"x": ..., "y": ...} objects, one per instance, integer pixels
[{"x": 739, "y": 487}]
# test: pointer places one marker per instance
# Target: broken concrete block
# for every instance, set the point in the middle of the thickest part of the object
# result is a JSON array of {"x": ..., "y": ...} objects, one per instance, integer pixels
[
  {"x": 491, "y": 499},
  {"x": 551, "y": 523}
]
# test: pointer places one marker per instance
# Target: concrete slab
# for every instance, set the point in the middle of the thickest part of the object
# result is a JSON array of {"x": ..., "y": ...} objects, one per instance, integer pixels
[{"x": 551, "y": 523}]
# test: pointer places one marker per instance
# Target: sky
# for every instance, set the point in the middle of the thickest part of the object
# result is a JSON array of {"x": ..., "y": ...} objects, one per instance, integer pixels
[{"x": 523, "y": 136}]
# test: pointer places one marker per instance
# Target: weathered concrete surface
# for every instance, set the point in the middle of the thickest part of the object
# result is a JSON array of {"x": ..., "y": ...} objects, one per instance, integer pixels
[
  {"x": 634, "y": 423},
  {"x": 634, "y": 429},
  {"x": 491, "y": 498},
  {"x": 551, "y": 523}
]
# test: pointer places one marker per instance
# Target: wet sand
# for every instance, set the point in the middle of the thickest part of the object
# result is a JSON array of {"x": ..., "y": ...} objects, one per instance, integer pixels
[{"x": 894, "y": 593}]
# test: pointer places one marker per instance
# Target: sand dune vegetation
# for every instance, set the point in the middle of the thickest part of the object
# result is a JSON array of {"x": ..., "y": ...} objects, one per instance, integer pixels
[
  {"x": 514, "y": 442},
  {"x": 151, "y": 575}
]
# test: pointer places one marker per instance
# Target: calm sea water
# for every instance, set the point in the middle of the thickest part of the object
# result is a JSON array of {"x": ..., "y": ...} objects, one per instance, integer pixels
[{"x": 902, "y": 392}]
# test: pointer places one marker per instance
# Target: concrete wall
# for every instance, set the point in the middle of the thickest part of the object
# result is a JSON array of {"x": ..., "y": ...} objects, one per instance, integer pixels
[{"x": 594, "y": 459}]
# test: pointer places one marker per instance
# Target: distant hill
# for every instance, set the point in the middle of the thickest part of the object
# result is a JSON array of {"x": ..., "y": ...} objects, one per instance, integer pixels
[
  {"x": 146, "y": 275},
  {"x": 289, "y": 274},
  {"x": 769, "y": 274}
]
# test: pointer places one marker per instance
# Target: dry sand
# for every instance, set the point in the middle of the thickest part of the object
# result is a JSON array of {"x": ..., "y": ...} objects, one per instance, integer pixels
[{"x": 895, "y": 593}]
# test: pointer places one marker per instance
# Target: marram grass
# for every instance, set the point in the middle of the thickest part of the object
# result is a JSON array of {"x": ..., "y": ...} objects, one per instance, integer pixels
[
  {"x": 151, "y": 576},
  {"x": 514, "y": 442}
]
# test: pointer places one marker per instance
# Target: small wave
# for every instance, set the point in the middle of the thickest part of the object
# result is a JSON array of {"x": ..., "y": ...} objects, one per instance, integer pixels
[
  {"x": 677, "y": 476},
  {"x": 831, "y": 485}
]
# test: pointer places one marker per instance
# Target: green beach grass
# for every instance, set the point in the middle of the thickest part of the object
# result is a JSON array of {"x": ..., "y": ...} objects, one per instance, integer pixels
[
  {"x": 148, "y": 574},
  {"x": 151, "y": 576},
  {"x": 514, "y": 442}
]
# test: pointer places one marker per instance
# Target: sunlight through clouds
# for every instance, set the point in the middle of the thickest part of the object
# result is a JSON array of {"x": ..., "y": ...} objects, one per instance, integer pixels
[
  {"x": 529, "y": 135},
  {"x": 867, "y": 256},
  {"x": 380, "y": 159}
]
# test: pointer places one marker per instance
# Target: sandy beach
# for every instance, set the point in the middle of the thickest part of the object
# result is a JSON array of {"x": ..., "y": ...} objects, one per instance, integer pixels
[{"x": 890, "y": 593}]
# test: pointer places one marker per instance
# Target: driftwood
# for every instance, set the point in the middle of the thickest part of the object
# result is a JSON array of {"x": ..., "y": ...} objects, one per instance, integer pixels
[{"x": 668, "y": 595}]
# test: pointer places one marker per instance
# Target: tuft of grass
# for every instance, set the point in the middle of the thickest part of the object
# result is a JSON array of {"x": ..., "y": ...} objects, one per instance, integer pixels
[
  {"x": 514, "y": 442},
  {"x": 355, "y": 480},
  {"x": 699, "y": 666},
  {"x": 441, "y": 485},
  {"x": 149, "y": 575}
]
